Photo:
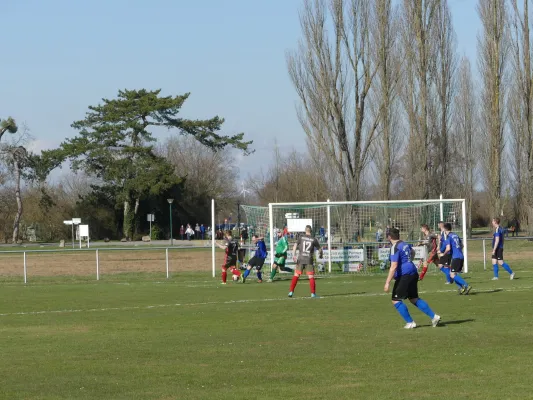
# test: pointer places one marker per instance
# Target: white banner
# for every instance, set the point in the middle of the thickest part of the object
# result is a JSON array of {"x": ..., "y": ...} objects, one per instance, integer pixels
[
  {"x": 420, "y": 253},
  {"x": 351, "y": 256}
]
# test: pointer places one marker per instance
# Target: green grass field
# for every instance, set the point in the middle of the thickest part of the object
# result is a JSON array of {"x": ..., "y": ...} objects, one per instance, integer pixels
[{"x": 191, "y": 338}]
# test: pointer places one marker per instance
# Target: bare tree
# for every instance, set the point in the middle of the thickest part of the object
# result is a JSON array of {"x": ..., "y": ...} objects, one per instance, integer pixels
[
  {"x": 466, "y": 134},
  {"x": 384, "y": 95},
  {"x": 19, "y": 159},
  {"x": 492, "y": 58},
  {"x": 333, "y": 74},
  {"x": 521, "y": 108},
  {"x": 445, "y": 89},
  {"x": 419, "y": 50}
]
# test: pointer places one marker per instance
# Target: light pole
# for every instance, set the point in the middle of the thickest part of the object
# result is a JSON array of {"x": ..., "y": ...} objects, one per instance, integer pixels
[{"x": 170, "y": 201}]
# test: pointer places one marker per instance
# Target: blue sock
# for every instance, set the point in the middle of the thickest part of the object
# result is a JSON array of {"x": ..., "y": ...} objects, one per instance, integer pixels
[
  {"x": 460, "y": 281},
  {"x": 403, "y": 311},
  {"x": 259, "y": 275},
  {"x": 424, "y": 307},
  {"x": 246, "y": 273},
  {"x": 446, "y": 271},
  {"x": 507, "y": 268},
  {"x": 495, "y": 267}
]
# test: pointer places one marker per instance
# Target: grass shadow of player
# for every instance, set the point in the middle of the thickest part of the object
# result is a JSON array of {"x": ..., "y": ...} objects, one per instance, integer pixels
[
  {"x": 456, "y": 322},
  {"x": 485, "y": 292}
]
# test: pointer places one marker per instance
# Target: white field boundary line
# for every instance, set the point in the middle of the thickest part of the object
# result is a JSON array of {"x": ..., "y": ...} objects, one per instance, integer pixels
[{"x": 155, "y": 306}]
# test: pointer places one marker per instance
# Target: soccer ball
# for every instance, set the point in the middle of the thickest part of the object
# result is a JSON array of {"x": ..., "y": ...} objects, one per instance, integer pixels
[{"x": 235, "y": 277}]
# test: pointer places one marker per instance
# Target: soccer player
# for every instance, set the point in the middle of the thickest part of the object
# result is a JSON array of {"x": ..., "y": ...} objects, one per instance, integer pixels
[
  {"x": 258, "y": 260},
  {"x": 306, "y": 246},
  {"x": 444, "y": 261},
  {"x": 430, "y": 240},
  {"x": 454, "y": 247},
  {"x": 405, "y": 275},
  {"x": 281, "y": 255},
  {"x": 230, "y": 259},
  {"x": 497, "y": 250}
]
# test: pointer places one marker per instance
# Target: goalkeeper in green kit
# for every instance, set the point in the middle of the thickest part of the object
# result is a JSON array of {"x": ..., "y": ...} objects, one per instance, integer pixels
[{"x": 281, "y": 255}]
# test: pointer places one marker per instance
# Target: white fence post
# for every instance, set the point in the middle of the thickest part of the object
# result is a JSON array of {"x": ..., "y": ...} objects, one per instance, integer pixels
[
  {"x": 97, "y": 266},
  {"x": 329, "y": 237},
  {"x": 213, "y": 238},
  {"x": 25, "y": 269},
  {"x": 166, "y": 256},
  {"x": 484, "y": 256}
]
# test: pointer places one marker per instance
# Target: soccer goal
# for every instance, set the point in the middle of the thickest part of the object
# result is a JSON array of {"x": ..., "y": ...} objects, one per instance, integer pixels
[{"x": 354, "y": 233}]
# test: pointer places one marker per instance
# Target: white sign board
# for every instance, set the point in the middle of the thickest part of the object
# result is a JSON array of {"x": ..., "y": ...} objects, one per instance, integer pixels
[
  {"x": 298, "y": 224},
  {"x": 150, "y": 217},
  {"x": 69, "y": 222},
  {"x": 292, "y": 215},
  {"x": 84, "y": 230},
  {"x": 76, "y": 221},
  {"x": 420, "y": 253},
  {"x": 350, "y": 256}
]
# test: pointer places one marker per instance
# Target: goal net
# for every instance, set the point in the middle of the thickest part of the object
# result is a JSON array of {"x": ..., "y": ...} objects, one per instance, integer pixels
[{"x": 354, "y": 234}]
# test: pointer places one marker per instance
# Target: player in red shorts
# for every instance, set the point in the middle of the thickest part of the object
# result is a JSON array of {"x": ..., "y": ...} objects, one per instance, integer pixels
[
  {"x": 431, "y": 243},
  {"x": 230, "y": 259}
]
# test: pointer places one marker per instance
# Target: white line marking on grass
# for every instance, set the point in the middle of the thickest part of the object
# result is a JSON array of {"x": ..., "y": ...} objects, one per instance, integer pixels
[{"x": 325, "y": 297}]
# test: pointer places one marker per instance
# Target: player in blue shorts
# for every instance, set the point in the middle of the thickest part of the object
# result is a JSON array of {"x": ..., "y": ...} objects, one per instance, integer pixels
[
  {"x": 497, "y": 250},
  {"x": 405, "y": 275},
  {"x": 454, "y": 247},
  {"x": 258, "y": 260}
]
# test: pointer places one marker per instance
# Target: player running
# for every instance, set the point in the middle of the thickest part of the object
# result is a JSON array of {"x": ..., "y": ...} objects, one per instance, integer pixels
[
  {"x": 258, "y": 260},
  {"x": 454, "y": 247},
  {"x": 444, "y": 261},
  {"x": 405, "y": 275},
  {"x": 306, "y": 246},
  {"x": 497, "y": 250},
  {"x": 230, "y": 259},
  {"x": 281, "y": 255},
  {"x": 430, "y": 241}
]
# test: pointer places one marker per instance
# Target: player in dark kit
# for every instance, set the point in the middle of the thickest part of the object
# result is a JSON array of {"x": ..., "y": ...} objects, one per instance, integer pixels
[
  {"x": 258, "y": 260},
  {"x": 430, "y": 241},
  {"x": 497, "y": 250},
  {"x": 306, "y": 246},
  {"x": 230, "y": 259},
  {"x": 405, "y": 274},
  {"x": 454, "y": 247}
]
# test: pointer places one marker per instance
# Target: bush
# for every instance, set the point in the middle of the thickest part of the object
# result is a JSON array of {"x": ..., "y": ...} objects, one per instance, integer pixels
[{"x": 156, "y": 232}]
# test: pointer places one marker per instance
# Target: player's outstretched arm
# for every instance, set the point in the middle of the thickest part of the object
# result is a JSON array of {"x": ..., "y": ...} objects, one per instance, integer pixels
[{"x": 221, "y": 246}]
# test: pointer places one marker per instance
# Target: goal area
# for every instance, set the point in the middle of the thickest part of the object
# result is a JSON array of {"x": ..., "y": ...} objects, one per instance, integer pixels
[{"x": 353, "y": 233}]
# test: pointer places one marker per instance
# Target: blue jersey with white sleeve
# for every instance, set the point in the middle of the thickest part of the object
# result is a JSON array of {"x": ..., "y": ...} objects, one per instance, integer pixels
[
  {"x": 400, "y": 252},
  {"x": 456, "y": 246},
  {"x": 498, "y": 234}
]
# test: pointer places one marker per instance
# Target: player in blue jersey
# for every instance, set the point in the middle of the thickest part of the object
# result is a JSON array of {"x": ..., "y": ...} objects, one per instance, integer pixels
[
  {"x": 454, "y": 247},
  {"x": 258, "y": 260},
  {"x": 444, "y": 261},
  {"x": 497, "y": 250},
  {"x": 405, "y": 276}
]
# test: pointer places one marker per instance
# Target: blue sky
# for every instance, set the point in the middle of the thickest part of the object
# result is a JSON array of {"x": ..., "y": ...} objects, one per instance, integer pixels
[{"x": 59, "y": 56}]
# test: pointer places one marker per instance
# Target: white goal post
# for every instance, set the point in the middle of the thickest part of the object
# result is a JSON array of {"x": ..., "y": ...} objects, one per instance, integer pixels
[{"x": 346, "y": 223}]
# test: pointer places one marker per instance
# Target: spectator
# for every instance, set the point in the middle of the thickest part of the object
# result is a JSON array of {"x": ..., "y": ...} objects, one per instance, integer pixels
[
  {"x": 322, "y": 233},
  {"x": 202, "y": 231},
  {"x": 379, "y": 235},
  {"x": 189, "y": 232},
  {"x": 182, "y": 232},
  {"x": 285, "y": 231},
  {"x": 197, "y": 231},
  {"x": 244, "y": 235}
]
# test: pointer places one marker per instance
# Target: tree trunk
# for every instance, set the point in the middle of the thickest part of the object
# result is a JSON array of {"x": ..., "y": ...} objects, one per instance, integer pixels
[
  {"x": 18, "y": 215},
  {"x": 128, "y": 220}
]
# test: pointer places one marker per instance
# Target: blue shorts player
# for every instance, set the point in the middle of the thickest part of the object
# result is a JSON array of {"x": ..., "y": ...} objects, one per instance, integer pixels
[
  {"x": 454, "y": 247},
  {"x": 497, "y": 250},
  {"x": 405, "y": 276},
  {"x": 258, "y": 260}
]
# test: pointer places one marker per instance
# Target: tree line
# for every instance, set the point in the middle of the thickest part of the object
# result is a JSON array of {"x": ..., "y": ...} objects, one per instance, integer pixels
[{"x": 391, "y": 110}]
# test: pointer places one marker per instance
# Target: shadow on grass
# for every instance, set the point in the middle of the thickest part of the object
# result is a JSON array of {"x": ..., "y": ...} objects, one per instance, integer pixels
[
  {"x": 456, "y": 322},
  {"x": 485, "y": 292}
]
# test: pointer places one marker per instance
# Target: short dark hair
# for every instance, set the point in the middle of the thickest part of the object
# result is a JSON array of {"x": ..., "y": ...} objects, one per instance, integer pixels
[
  {"x": 308, "y": 228},
  {"x": 255, "y": 236},
  {"x": 441, "y": 222},
  {"x": 228, "y": 233},
  {"x": 447, "y": 226},
  {"x": 394, "y": 234},
  {"x": 497, "y": 220},
  {"x": 424, "y": 226}
]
